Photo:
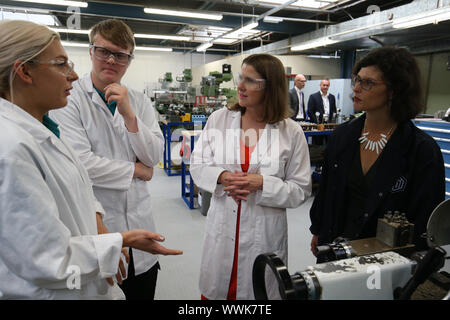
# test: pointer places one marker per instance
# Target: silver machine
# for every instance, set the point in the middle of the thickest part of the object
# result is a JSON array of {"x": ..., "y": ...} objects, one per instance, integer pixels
[{"x": 382, "y": 268}]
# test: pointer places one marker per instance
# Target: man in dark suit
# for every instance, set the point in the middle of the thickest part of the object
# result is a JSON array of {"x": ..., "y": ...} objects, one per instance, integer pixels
[
  {"x": 323, "y": 103},
  {"x": 297, "y": 98}
]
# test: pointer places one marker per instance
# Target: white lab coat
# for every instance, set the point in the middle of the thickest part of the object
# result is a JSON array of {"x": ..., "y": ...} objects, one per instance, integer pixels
[
  {"x": 48, "y": 228},
  {"x": 282, "y": 158},
  {"x": 109, "y": 152}
]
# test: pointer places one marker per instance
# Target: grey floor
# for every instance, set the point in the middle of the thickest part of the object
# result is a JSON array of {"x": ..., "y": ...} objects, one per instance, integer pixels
[{"x": 183, "y": 229}]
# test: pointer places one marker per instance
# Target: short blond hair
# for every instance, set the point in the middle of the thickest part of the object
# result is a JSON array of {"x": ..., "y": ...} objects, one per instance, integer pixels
[
  {"x": 20, "y": 41},
  {"x": 115, "y": 31}
]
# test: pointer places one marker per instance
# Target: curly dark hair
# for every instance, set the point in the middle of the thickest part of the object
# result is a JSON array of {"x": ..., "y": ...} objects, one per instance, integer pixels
[{"x": 402, "y": 75}]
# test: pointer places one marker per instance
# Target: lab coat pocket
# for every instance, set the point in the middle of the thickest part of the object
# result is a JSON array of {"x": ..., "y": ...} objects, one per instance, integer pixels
[{"x": 271, "y": 232}]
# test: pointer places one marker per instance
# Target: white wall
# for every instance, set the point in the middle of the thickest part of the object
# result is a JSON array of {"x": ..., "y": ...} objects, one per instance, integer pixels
[{"x": 147, "y": 67}]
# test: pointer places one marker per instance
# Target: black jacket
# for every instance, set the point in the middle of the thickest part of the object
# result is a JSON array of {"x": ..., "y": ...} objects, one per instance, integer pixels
[
  {"x": 410, "y": 178},
  {"x": 315, "y": 104},
  {"x": 293, "y": 100}
]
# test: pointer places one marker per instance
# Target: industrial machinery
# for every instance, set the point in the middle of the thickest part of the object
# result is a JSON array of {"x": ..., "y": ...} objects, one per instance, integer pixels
[
  {"x": 175, "y": 101},
  {"x": 385, "y": 267},
  {"x": 179, "y": 102},
  {"x": 210, "y": 85},
  {"x": 166, "y": 80},
  {"x": 184, "y": 81}
]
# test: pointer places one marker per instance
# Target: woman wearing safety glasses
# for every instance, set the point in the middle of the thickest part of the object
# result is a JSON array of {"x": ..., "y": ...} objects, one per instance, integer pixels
[
  {"x": 49, "y": 217},
  {"x": 254, "y": 160},
  {"x": 379, "y": 161}
]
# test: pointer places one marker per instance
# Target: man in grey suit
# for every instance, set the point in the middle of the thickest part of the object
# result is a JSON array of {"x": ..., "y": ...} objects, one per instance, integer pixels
[
  {"x": 297, "y": 98},
  {"x": 323, "y": 103}
]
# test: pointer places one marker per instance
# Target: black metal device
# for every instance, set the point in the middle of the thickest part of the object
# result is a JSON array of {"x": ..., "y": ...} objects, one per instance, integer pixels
[
  {"x": 431, "y": 262},
  {"x": 290, "y": 288},
  {"x": 337, "y": 250}
]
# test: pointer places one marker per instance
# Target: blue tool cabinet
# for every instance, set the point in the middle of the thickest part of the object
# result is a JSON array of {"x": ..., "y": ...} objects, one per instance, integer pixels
[{"x": 440, "y": 131}]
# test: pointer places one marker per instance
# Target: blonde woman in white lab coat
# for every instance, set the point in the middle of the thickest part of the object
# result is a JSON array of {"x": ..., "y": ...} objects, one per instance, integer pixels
[
  {"x": 49, "y": 217},
  {"x": 254, "y": 160}
]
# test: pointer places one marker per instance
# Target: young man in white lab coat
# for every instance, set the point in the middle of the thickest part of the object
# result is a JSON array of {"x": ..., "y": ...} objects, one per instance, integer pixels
[{"x": 115, "y": 132}]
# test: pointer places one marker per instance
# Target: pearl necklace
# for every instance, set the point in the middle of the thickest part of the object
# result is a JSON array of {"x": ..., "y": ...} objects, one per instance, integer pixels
[{"x": 372, "y": 145}]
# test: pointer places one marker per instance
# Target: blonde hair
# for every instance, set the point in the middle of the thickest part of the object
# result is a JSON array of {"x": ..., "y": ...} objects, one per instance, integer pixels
[{"x": 20, "y": 41}]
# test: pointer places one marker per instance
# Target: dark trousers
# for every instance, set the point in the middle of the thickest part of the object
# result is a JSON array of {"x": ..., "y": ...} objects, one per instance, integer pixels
[{"x": 140, "y": 287}]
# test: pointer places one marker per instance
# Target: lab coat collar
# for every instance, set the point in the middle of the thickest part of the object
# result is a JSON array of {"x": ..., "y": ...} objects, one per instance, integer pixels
[
  {"x": 35, "y": 128},
  {"x": 25, "y": 120},
  {"x": 88, "y": 86},
  {"x": 86, "y": 83}
]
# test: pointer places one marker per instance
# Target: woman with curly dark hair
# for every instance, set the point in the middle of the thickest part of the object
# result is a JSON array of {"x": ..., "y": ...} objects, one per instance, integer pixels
[{"x": 379, "y": 161}]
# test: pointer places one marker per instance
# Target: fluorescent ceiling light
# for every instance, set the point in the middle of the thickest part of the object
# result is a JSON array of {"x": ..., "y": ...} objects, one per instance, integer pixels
[
  {"x": 208, "y": 39},
  {"x": 43, "y": 19},
  {"x": 270, "y": 19},
  {"x": 238, "y": 33},
  {"x": 427, "y": 17},
  {"x": 313, "y": 44},
  {"x": 74, "y": 44},
  {"x": 159, "y": 36},
  {"x": 207, "y": 34},
  {"x": 303, "y": 3},
  {"x": 223, "y": 40},
  {"x": 154, "y": 49},
  {"x": 188, "y": 14},
  {"x": 59, "y": 3},
  {"x": 322, "y": 57},
  {"x": 204, "y": 46},
  {"x": 137, "y": 35},
  {"x": 86, "y": 45},
  {"x": 61, "y": 30}
]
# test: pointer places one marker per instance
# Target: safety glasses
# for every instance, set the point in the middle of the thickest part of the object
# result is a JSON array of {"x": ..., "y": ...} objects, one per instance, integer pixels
[
  {"x": 63, "y": 66},
  {"x": 251, "y": 83},
  {"x": 104, "y": 54}
]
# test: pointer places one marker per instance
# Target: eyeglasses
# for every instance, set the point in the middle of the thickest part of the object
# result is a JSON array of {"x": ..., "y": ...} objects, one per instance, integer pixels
[
  {"x": 366, "y": 84},
  {"x": 251, "y": 83},
  {"x": 65, "y": 67},
  {"x": 104, "y": 54}
]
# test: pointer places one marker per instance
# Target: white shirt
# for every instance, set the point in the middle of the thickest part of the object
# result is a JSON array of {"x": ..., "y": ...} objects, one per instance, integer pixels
[
  {"x": 48, "y": 228},
  {"x": 326, "y": 103},
  {"x": 281, "y": 156},
  {"x": 300, "y": 114},
  {"x": 109, "y": 153}
]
